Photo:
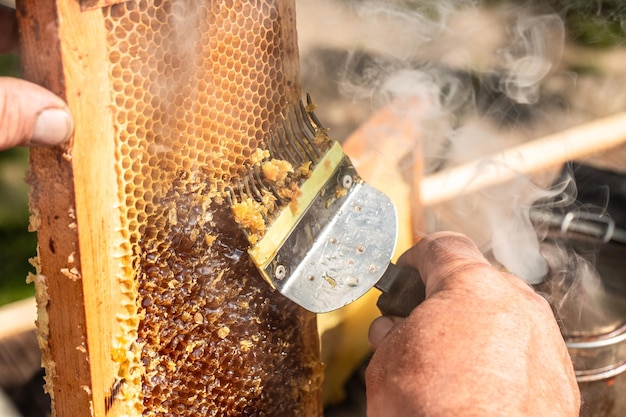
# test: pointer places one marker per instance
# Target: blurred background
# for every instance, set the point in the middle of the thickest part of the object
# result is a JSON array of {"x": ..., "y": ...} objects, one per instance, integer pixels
[
  {"x": 415, "y": 89},
  {"x": 16, "y": 243}
]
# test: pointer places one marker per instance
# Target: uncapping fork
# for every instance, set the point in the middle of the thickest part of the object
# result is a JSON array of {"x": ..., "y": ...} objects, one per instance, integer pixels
[{"x": 334, "y": 241}]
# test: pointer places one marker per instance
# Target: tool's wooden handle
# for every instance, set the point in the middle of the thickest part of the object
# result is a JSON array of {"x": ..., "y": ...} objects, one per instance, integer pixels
[{"x": 404, "y": 291}]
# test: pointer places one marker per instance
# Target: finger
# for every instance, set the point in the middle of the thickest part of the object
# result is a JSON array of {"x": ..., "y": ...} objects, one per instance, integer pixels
[
  {"x": 442, "y": 255},
  {"x": 9, "y": 36},
  {"x": 380, "y": 328},
  {"x": 31, "y": 115}
]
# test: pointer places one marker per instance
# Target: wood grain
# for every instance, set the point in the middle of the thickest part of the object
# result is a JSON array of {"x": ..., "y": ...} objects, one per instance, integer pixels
[{"x": 72, "y": 197}]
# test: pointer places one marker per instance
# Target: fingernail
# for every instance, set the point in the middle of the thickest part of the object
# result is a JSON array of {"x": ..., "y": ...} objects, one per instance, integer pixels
[
  {"x": 385, "y": 324},
  {"x": 380, "y": 328},
  {"x": 52, "y": 127}
]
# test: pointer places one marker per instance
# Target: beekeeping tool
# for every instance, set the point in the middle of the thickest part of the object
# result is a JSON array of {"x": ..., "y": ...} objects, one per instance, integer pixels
[
  {"x": 333, "y": 241},
  {"x": 590, "y": 309}
]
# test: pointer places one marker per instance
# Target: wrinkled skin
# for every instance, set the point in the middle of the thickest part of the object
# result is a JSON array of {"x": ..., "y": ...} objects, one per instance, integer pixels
[
  {"x": 29, "y": 114},
  {"x": 481, "y": 344}
]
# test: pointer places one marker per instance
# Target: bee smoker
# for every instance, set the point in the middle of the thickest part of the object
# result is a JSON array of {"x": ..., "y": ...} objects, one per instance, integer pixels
[{"x": 590, "y": 305}]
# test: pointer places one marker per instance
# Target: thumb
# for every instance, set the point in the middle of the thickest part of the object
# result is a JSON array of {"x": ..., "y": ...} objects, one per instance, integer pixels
[
  {"x": 380, "y": 328},
  {"x": 31, "y": 115}
]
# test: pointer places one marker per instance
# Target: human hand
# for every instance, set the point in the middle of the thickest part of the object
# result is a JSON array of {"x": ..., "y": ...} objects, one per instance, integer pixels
[
  {"x": 29, "y": 114},
  {"x": 481, "y": 344}
]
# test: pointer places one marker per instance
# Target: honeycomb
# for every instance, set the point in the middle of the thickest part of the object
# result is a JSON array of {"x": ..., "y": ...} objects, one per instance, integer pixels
[{"x": 196, "y": 87}]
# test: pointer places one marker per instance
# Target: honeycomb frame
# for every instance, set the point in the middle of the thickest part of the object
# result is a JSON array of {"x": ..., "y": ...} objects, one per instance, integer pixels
[{"x": 198, "y": 330}]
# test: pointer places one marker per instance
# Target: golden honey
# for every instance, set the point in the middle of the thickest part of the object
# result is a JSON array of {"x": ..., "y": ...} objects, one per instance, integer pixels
[{"x": 197, "y": 86}]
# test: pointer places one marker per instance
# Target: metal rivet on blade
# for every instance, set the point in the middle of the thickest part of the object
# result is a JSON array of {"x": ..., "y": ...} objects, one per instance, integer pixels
[
  {"x": 280, "y": 272},
  {"x": 346, "y": 181}
]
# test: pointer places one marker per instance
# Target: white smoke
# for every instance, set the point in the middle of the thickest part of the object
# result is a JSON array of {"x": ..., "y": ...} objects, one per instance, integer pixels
[
  {"x": 536, "y": 46},
  {"x": 409, "y": 44}
]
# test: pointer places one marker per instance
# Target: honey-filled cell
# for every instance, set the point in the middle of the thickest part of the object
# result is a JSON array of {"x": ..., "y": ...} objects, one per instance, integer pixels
[{"x": 199, "y": 85}]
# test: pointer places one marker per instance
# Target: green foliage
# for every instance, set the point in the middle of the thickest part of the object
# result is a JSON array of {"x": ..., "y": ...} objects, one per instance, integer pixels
[
  {"x": 9, "y": 65},
  {"x": 597, "y": 23},
  {"x": 17, "y": 245},
  {"x": 596, "y": 30},
  {"x": 13, "y": 189}
]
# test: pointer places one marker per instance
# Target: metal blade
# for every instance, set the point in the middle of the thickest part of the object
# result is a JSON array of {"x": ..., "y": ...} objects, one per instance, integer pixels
[{"x": 340, "y": 247}]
